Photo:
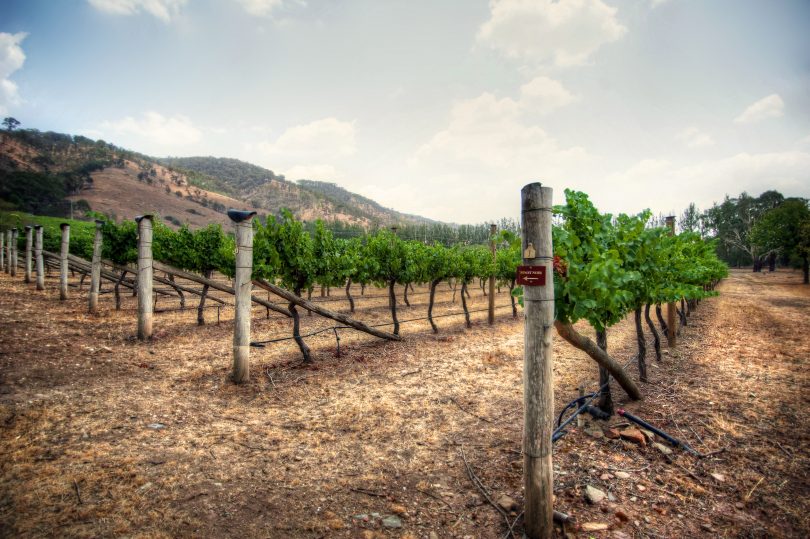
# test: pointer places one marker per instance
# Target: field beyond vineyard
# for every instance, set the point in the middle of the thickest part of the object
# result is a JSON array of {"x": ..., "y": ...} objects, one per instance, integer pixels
[{"x": 101, "y": 435}]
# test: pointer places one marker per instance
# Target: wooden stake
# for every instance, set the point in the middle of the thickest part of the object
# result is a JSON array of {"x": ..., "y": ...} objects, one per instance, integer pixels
[
  {"x": 492, "y": 247},
  {"x": 243, "y": 288},
  {"x": 538, "y": 359},
  {"x": 145, "y": 273},
  {"x": 8, "y": 251},
  {"x": 63, "y": 262},
  {"x": 671, "y": 327},
  {"x": 2, "y": 252},
  {"x": 95, "y": 271},
  {"x": 13, "y": 259},
  {"x": 40, "y": 262},
  {"x": 29, "y": 240}
]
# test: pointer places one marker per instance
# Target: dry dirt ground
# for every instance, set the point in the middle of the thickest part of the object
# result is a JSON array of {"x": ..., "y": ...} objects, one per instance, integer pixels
[{"x": 104, "y": 436}]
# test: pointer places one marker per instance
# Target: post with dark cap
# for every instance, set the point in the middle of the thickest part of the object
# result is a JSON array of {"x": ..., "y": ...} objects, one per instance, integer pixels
[
  {"x": 243, "y": 288},
  {"x": 63, "y": 262},
  {"x": 144, "y": 277},
  {"x": 672, "y": 339},
  {"x": 29, "y": 240},
  {"x": 38, "y": 256},
  {"x": 13, "y": 260},
  {"x": 538, "y": 385},
  {"x": 95, "y": 269}
]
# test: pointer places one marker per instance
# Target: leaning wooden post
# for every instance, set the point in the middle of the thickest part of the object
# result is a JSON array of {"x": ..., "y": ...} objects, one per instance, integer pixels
[
  {"x": 29, "y": 241},
  {"x": 536, "y": 276},
  {"x": 13, "y": 259},
  {"x": 671, "y": 327},
  {"x": 95, "y": 270},
  {"x": 40, "y": 262},
  {"x": 63, "y": 262},
  {"x": 145, "y": 305},
  {"x": 492, "y": 247},
  {"x": 243, "y": 288}
]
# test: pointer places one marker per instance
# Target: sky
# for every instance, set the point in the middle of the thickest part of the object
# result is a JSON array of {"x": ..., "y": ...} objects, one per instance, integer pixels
[{"x": 439, "y": 108}]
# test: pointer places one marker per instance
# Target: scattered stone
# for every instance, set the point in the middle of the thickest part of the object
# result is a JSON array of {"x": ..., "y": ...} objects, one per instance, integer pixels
[
  {"x": 594, "y": 526},
  {"x": 641, "y": 488},
  {"x": 718, "y": 477},
  {"x": 662, "y": 448},
  {"x": 398, "y": 509},
  {"x": 507, "y": 503},
  {"x": 156, "y": 426},
  {"x": 606, "y": 477},
  {"x": 594, "y": 495},
  {"x": 635, "y": 436},
  {"x": 620, "y": 535},
  {"x": 433, "y": 535},
  {"x": 622, "y": 475},
  {"x": 363, "y": 517},
  {"x": 613, "y": 434},
  {"x": 611, "y": 497},
  {"x": 392, "y": 522}
]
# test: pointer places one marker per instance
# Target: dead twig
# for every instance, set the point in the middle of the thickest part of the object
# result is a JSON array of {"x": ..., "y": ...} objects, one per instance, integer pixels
[
  {"x": 688, "y": 471},
  {"x": 78, "y": 493},
  {"x": 368, "y": 492},
  {"x": 713, "y": 453},
  {"x": 748, "y": 496},
  {"x": 437, "y": 497},
  {"x": 451, "y": 399},
  {"x": 480, "y": 486}
]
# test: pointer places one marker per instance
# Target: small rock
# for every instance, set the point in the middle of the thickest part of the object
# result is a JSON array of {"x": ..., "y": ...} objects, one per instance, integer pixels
[
  {"x": 718, "y": 477},
  {"x": 594, "y": 495},
  {"x": 156, "y": 426},
  {"x": 398, "y": 509},
  {"x": 594, "y": 526},
  {"x": 361, "y": 517},
  {"x": 606, "y": 477},
  {"x": 622, "y": 475},
  {"x": 662, "y": 448},
  {"x": 433, "y": 535},
  {"x": 641, "y": 488},
  {"x": 392, "y": 522},
  {"x": 507, "y": 503},
  {"x": 611, "y": 497},
  {"x": 635, "y": 436},
  {"x": 620, "y": 535}
]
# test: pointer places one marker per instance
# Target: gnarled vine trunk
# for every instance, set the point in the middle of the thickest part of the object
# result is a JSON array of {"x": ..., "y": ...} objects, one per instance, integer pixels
[
  {"x": 405, "y": 295},
  {"x": 201, "y": 306},
  {"x": 660, "y": 316},
  {"x": 512, "y": 298},
  {"x": 117, "y": 291},
  {"x": 464, "y": 304},
  {"x": 656, "y": 338},
  {"x": 392, "y": 301},
  {"x": 433, "y": 285},
  {"x": 567, "y": 332},
  {"x": 605, "y": 398},
  {"x": 297, "y": 329},
  {"x": 642, "y": 347},
  {"x": 349, "y": 296}
]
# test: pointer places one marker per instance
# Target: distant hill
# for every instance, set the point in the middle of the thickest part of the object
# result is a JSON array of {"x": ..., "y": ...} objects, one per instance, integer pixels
[{"x": 56, "y": 174}]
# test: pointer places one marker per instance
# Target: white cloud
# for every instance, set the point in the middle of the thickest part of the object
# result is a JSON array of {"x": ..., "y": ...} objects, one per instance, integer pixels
[
  {"x": 12, "y": 58},
  {"x": 767, "y": 107},
  {"x": 656, "y": 3},
  {"x": 564, "y": 32},
  {"x": 318, "y": 141},
  {"x": 156, "y": 132},
  {"x": 162, "y": 9},
  {"x": 694, "y": 138},
  {"x": 261, "y": 8},
  {"x": 543, "y": 94}
]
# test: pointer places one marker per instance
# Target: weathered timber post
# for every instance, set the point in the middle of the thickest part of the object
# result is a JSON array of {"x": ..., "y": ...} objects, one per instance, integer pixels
[
  {"x": 538, "y": 383},
  {"x": 145, "y": 306},
  {"x": 2, "y": 252},
  {"x": 671, "y": 327},
  {"x": 63, "y": 262},
  {"x": 29, "y": 241},
  {"x": 13, "y": 258},
  {"x": 40, "y": 262},
  {"x": 8, "y": 251},
  {"x": 95, "y": 270},
  {"x": 492, "y": 247},
  {"x": 243, "y": 288}
]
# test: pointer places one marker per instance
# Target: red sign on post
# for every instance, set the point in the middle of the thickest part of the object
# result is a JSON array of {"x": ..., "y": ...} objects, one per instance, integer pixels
[{"x": 531, "y": 275}]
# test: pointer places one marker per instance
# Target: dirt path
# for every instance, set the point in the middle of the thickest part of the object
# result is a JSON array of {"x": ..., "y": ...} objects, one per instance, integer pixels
[{"x": 103, "y": 436}]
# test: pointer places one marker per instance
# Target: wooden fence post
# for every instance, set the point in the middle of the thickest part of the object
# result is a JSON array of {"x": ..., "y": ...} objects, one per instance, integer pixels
[
  {"x": 145, "y": 306},
  {"x": 671, "y": 327},
  {"x": 63, "y": 262},
  {"x": 538, "y": 360},
  {"x": 243, "y": 289},
  {"x": 492, "y": 247},
  {"x": 29, "y": 240},
  {"x": 2, "y": 251},
  {"x": 8, "y": 251},
  {"x": 40, "y": 262},
  {"x": 13, "y": 259},
  {"x": 95, "y": 270}
]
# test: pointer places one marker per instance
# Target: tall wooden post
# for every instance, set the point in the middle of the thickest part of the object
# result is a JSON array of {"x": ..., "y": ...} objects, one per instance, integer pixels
[
  {"x": 2, "y": 251},
  {"x": 8, "y": 251},
  {"x": 671, "y": 327},
  {"x": 38, "y": 256},
  {"x": 243, "y": 288},
  {"x": 95, "y": 269},
  {"x": 538, "y": 360},
  {"x": 492, "y": 247},
  {"x": 13, "y": 259},
  {"x": 63, "y": 261},
  {"x": 145, "y": 274},
  {"x": 29, "y": 243}
]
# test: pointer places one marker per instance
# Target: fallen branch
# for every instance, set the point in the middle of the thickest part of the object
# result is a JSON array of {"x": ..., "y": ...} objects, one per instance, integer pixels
[{"x": 480, "y": 486}]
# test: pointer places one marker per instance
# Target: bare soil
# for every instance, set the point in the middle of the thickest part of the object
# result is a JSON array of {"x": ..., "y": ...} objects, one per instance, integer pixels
[{"x": 101, "y": 435}]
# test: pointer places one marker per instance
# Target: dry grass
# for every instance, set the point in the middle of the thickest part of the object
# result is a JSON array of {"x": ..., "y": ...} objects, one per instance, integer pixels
[{"x": 299, "y": 451}]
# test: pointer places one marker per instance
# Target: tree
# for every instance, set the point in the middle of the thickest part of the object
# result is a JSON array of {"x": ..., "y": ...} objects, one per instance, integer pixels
[
  {"x": 785, "y": 229},
  {"x": 10, "y": 123}
]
